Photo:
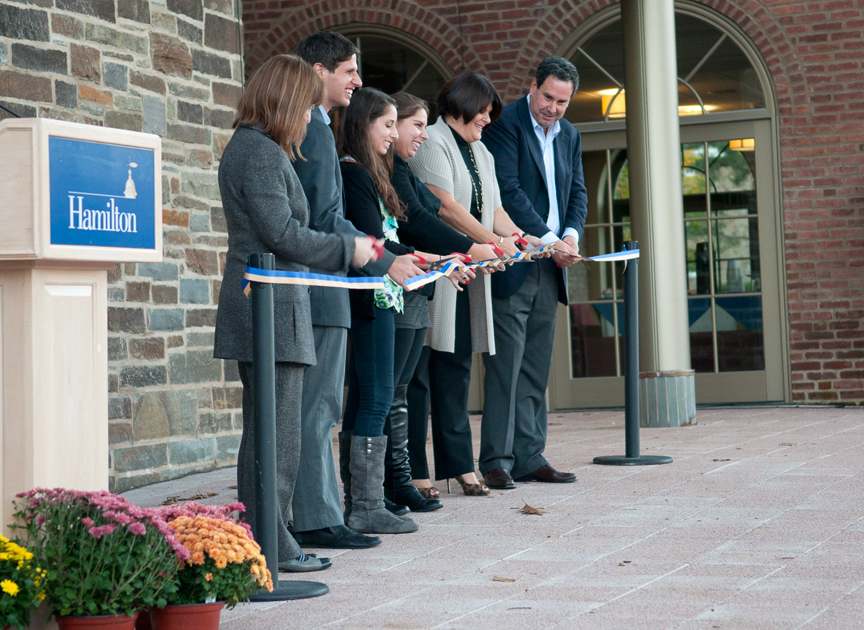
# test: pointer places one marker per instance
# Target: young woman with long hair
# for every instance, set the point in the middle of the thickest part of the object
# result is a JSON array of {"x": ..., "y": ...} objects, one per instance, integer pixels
[{"x": 368, "y": 133}]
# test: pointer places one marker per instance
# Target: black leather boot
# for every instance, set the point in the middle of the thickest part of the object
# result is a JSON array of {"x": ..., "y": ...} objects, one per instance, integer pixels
[{"x": 397, "y": 469}]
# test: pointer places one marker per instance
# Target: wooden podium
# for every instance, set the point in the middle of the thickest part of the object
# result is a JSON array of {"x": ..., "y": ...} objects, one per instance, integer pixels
[{"x": 74, "y": 199}]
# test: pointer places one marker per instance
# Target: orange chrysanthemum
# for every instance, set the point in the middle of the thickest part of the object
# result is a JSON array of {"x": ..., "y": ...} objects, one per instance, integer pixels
[{"x": 223, "y": 541}]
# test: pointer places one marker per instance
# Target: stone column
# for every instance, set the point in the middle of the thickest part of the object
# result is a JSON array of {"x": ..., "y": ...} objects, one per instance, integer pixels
[{"x": 656, "y": 211}]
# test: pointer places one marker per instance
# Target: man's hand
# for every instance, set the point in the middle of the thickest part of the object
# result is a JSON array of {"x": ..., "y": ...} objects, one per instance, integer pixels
[
  {"x": 364, "y": 250},
  {"x": 533, "y": 241},
  {"x": 570, "y": 254},
  {"x": 403, "y": 267}
]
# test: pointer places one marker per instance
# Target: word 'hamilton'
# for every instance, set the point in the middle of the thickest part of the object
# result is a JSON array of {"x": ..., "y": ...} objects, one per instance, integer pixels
[{"x": 110, "y": 220}]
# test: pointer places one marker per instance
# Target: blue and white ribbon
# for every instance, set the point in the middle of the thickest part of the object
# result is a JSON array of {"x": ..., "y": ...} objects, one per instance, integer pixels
[
  {"x": 523, "y": 256},
  {"x": 266, "y": 276}
]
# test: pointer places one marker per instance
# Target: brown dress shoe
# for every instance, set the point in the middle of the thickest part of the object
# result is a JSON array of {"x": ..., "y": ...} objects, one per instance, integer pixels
[
  {"x": 547, "y": 474},
  {"x": 499, "y": 479}
]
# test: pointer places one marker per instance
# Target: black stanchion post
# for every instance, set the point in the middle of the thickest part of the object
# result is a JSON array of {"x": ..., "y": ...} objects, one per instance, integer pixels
[
  {"x": 631, "y": 345},
  {"x": 264, "y": 397},
  {"x": 631, "y": 374}
]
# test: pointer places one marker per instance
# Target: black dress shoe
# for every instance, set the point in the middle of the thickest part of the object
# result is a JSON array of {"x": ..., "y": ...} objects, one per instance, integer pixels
[
  {"x": 547, "y": 474},
  {"x": 499, "y": 479},
  {"x": 336, "y": 537},
  {"x": 395, "y": 508}
]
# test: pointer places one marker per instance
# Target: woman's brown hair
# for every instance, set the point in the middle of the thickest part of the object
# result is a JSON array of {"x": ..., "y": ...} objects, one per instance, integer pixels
[
  {"x": 367, "y": 106},
  {"x": 276, "y": 99},
  {"x": 407, "y": 105}
]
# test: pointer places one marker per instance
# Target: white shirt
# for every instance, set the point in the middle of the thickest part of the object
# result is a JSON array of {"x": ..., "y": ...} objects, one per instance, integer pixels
[
  {"x": 324, "y": 113},
  {"x": 546, "y": 141}
]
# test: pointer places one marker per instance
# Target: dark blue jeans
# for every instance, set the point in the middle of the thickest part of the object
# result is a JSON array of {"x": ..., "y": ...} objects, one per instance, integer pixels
[{"x": 370, "y": 374}]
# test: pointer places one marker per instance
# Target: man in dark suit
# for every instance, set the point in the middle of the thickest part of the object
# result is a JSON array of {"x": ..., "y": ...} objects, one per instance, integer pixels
[
  {"x": 538, "y": 161},
  {"x": 317, "y": 511}
]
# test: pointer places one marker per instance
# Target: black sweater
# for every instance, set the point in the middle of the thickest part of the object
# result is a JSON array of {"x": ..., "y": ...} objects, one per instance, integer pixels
[
  {"x": 421, "y": 227},
  {"x": 361, "y": 205},
  {"x": 363, "y": 210}
]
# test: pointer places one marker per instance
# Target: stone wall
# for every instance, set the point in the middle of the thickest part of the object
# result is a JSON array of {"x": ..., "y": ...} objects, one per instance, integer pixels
[
  {"x": 171, "y": 68},
  {"x": 815, "y": 53}
]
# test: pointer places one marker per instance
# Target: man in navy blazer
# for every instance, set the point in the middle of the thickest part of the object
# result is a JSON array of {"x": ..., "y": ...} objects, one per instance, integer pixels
[{"x": 538, "y": 162}]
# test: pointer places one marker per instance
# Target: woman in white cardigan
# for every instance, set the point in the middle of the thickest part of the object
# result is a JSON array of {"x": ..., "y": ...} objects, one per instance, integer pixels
[{"x": 461, "y": 172}]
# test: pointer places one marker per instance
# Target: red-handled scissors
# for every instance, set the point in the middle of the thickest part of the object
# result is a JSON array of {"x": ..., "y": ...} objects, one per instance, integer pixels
[
  {"x": 378, "y": 249},
  {"x": 498, "y": 251},
  {"x": 519, "y": 239}
]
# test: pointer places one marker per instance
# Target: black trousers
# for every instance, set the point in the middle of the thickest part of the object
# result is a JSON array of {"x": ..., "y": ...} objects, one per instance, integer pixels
[
  {"x": 409, "y": 345},
  {"x": 446, "y": 376}
]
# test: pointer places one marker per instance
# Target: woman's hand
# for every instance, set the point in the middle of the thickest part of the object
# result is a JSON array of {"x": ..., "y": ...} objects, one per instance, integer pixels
[
  {"x": 508, "y": 245},
  {"x": 461, "y": 277},
  {"x": 482, "y": 251},
  {"x": 403, "y": 267},
  {"x": 364, "y": 250}
]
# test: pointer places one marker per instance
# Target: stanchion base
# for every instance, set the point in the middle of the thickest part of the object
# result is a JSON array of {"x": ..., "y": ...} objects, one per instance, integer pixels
[
  {"x": 641, "y": 460},
  {"x": 290, "y": 589}
]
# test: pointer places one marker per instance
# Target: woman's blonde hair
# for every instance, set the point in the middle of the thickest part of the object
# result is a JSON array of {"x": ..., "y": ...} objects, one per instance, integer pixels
[{"x": 276, "y": 99}]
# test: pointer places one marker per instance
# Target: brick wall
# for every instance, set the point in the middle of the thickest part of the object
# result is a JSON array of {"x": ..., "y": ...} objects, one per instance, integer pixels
[
  {"x": 815, "y": 53},
  {"x": 174, "y": 69}
]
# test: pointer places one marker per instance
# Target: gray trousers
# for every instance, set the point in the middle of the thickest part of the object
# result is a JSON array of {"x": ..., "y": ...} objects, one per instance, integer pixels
[
  {"x": 289, "y": 385},
  {"x": 316, "y": 495},
  {"x": 513, "y": 429}
]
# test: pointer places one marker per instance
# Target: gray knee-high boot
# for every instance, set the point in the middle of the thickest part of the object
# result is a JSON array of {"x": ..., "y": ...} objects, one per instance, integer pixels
[
  {"x": 368, "y": 514},
  {"x": 345, "y": 470}
]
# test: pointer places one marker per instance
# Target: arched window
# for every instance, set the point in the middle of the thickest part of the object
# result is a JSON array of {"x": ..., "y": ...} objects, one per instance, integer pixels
[
  {"x": 732, "y": 220},
  {"x": 393, "y": 61},
  {"x": 714, "y": 73}
]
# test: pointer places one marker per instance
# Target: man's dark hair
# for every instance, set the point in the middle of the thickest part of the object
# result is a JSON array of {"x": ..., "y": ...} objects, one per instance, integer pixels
[
  {"x": 559, "y": 68},
  {"x": 468, "y": 94},
  {"x": 328, "y": 49}
]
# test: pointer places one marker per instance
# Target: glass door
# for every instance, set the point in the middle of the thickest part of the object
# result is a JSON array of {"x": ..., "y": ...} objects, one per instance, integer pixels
[{"x": 732, "y": 228}]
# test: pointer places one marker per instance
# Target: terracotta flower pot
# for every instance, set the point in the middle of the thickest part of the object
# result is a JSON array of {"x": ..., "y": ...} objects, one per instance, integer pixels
[
  {"x": 107, "y": 622},
  {"x": 191, "y": 617},
  {"x": 143, "y": 621}
]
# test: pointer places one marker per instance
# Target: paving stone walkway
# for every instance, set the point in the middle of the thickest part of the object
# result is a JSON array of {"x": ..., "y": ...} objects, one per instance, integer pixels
[{"x": 758, "y": 524}]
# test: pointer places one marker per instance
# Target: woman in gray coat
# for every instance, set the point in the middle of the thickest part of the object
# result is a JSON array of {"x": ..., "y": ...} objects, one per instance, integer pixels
[{"x": 266, "y": 211}]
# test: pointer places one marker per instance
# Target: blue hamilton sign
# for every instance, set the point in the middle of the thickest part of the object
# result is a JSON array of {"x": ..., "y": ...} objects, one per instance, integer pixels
[{"x": 101, "y": 194}]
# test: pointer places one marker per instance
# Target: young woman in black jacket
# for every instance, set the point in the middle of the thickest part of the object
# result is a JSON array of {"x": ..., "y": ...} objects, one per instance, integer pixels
[{"x": 366, "y": 139}]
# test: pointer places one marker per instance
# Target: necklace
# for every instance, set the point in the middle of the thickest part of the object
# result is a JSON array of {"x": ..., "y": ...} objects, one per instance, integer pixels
[{"x": 477, "y": 196}]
